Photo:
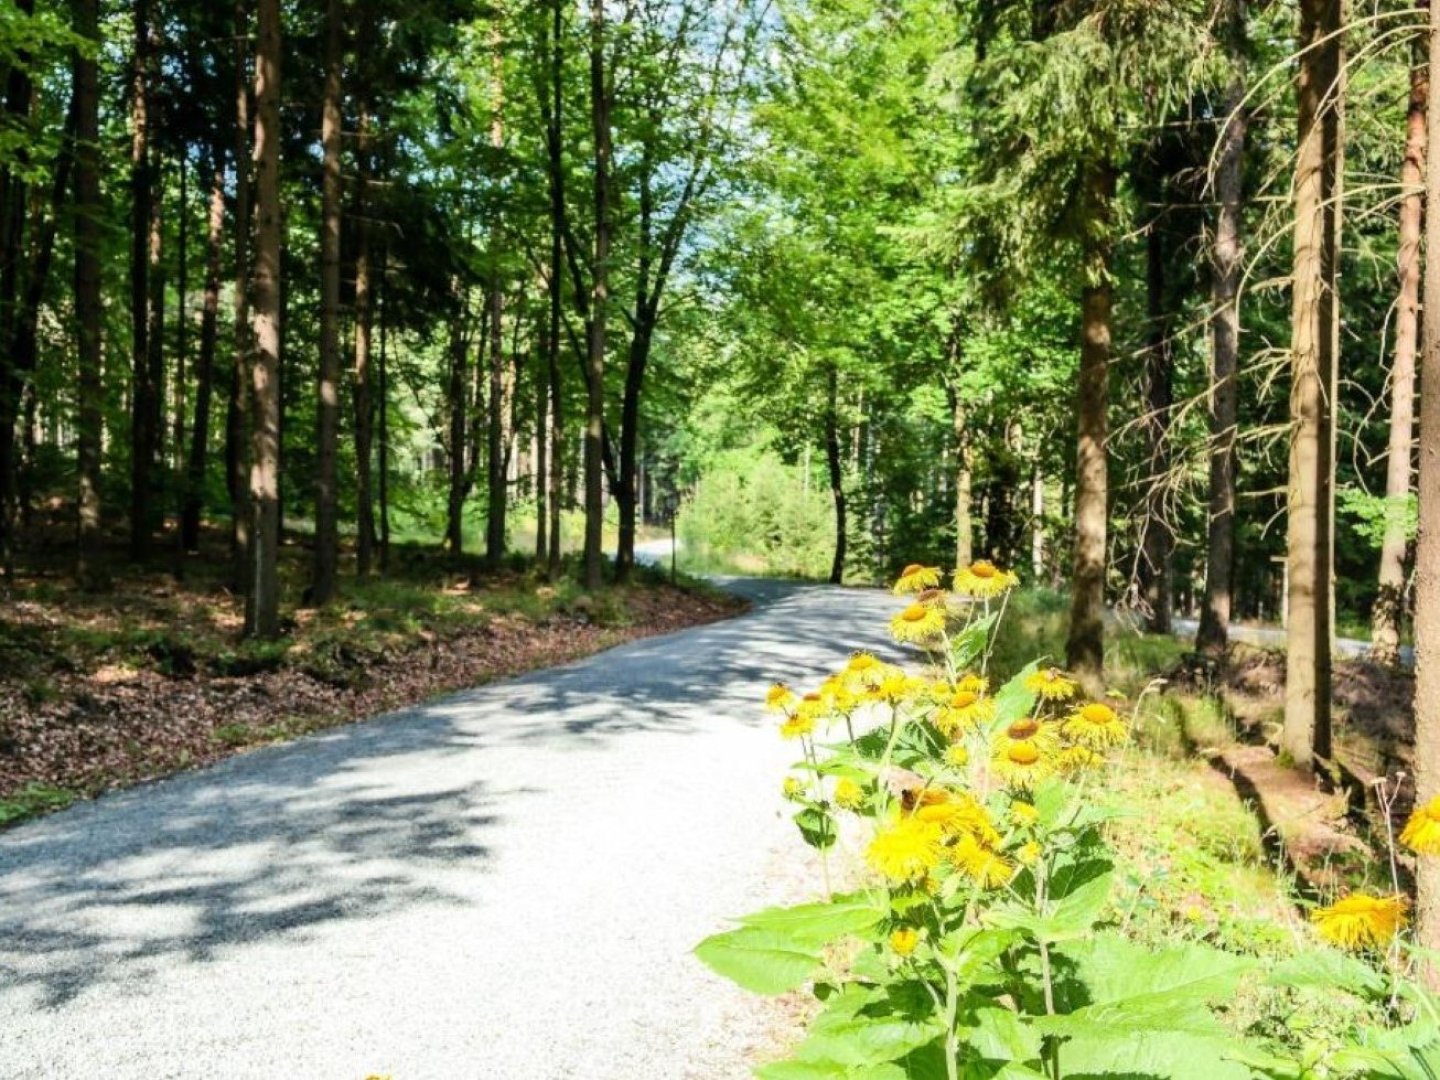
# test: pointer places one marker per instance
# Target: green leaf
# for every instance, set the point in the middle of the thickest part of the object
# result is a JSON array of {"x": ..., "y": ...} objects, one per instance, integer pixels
[
  {"x": 999, "y": 1035},
  {"x": 1173, "y": 1055},
  {"x": 1013, "y": 701},
  {"x": 1327, "y": 969},
  {"x": 817, "y": 827},
  {"x": 818, "y": 924},
  {"x": 1117, "y": 985},
  {"x": 865, "y": 1026},
  {"x": 1070, "y": 918},
  {"x": 969, "y": 645},
  {"x": 762, "y": 961}
]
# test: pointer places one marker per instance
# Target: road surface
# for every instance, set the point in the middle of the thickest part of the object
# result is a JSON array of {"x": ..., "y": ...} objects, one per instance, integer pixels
[{"x": 506, "y": 883}]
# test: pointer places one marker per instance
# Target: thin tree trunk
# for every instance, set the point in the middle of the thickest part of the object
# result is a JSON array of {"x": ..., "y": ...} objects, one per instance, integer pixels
[
  {"x": 205, "y": 366},
  {"x": 383, "y": 417},
  {"x": 554, "y": 150},
  {"x": 88, "y": 313},
  {"x": 1037, "y": 524},
  {"x": 327, "y": 525},
  {"x": 364, "y": 396},
  {"x": 1389, "y": 604},
  {"x": 1085, "y": 650},
  {"x": 1158, "y": 545},
  {"x": 237, "y": 419},
  {"x": 542, "y": 395},
  {"x": 1427, "y": 552},
  {"x": 599, "y": 304},
  {"x": 459, "y": 399},
  {"x": 142, "y": 401},
  {"x": 182, "y": 317},
  {"x": 155, "y": 334},
  {"x": 960, "y": 443},
  {"x": 1306, "y": 734},
  {"x": 1228, "y": 255},
  {"x": 495, "y": 463},
  {"x": 263, "y": 609},
  {"x": 837, "y": 475}
]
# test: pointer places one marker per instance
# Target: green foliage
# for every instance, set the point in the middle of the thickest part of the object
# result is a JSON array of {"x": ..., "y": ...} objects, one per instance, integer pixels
[{"x": 33, "y": 799}]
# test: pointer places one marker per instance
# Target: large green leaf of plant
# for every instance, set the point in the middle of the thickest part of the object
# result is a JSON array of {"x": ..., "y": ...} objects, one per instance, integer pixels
[
  {"x": 1327, "y": 969},
  {"x": 1013, "y": 701},
  {"x": 969, "y": 645},
  {"x": 1114, "y": 984},
  {"x": 865, "y": 1026},
  {"x": 819, "y": 923},
  {"x": 762, "y": 961},
  {"x": 1069, "y": 918},
  {"x": 1115, "y": 1052}
]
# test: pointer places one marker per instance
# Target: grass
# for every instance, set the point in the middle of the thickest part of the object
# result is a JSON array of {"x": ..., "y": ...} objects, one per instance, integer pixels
[{"x": 33, "y": 799}]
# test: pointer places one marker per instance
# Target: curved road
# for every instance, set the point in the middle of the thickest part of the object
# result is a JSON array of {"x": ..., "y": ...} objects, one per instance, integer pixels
[{"x": 502, "y": 884}]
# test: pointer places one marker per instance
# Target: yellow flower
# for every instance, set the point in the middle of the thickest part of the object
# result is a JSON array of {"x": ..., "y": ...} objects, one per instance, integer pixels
[
  {"x": 984, "y": 580},
  {"x": 906, "y": 851},
  {"x": 1051, "y": 684},
  {"x": 836, "y": 696},
  {"x": 957, "y": 756},
  {"x": 964, "y": 709},
  {"x": 1024, "y": 813},
  {"x": 976, "y": 684},
  {"x": 919, "y": 623},
  {"x": 916, "y": 578},
  {"x": 1028, "y": 853},
  {"x": 1360, "y": 920},
  {"x": 904, "y": 940},
  {"x": 1075, "y": 759},
  {"x": 780, "y": 698},
  {"x": 1028, "y": 730},
  {"x": 956, "y": 814},
  {"x": 797, "y": 725},
  {"x": 1021, "y": 764},
  {"x": 986, "y": 868},
  {"x": 848, "y": 794},
  {"x": 1422, "y": 831},
  {"x": 793, "y": 788},
  {"x": 1096, "y": 726}
]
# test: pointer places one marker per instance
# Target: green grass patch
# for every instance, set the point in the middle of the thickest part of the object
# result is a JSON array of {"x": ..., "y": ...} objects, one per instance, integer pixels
[{"x": 34, "y": 799}]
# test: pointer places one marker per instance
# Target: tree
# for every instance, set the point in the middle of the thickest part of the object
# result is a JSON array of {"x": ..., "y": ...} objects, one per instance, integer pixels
[
  {"x": 263, "y": 607},
  {"x": 1390, "y": 601},
  {"x": 327, "y": 538},
  {"x": 601, "y": 103},
  {"x": 1314, "y": 355},
  {"x": 87, "y": 288},
  {"x": 145, "y": 400}
]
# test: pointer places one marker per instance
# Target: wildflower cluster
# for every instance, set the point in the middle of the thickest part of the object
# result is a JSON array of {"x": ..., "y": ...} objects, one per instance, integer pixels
[{"x": 986, "y": 943}]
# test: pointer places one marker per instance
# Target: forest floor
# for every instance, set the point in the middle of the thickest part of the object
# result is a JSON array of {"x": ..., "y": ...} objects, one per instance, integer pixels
[{"x": 151, "y": 676}]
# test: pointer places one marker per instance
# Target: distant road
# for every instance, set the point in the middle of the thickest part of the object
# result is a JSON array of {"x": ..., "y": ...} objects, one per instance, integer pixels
[{"x": 1272, "y": 637}]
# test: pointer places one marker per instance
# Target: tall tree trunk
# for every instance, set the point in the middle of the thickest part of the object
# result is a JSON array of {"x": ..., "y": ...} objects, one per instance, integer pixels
[
  {"x": 88, "y": 312},
  {"x": 960, "y": 444},
  {"x": 459, "y": 401},
  {"x": 837, "y": 473},
  {"x": 1085, "y": 650},
  {"x": 495, "y": 431},
  {"x": 364, "y": 395},
  {"x": 626, "y": 492},
  {"x": 1037, "y": 524},
  {"x": 382, "y": 413},
  {"x": 1158, "y": 544},
  {"x": 1427, "y": 551},
  {"x": 327, "y": 525},
  {"x": 555, "y": 150},
  {"x": 542, "y": 438},
  {"x": 143, "y": 406},
  {"x": 599, "y": 304},
  {"x": 182, "y": 319},
  {"x": 205, "y": 365},
  {"x": 155, "y": 334},
  {"x": 1227, "y": 255},
  {"x": 237, "y": 418},
  {"x": 1306, "y": 734},
  {"x": 263, "y": 609},
  {"x": 1389, "y": 604}
]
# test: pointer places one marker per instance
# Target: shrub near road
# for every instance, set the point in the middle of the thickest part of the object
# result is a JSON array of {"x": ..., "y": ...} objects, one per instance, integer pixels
[{"x": 985, "y": 943}]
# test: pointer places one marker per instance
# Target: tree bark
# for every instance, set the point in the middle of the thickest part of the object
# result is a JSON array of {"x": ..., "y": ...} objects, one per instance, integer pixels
[
  {"x": 459, "y": 401},
  {"x": 837, "y": 474},
  {"x": 204, "y": 366},
  {"x": 555, "y": 150},
  {"x": 263, "y": 609},
  {"x": 1306, "y": 733},
  {"x": 364, "y": 394},
  {"x": 542, "y": 439},
  {"x": 1390, "y": 602},
  {"x": 382, "y": 413},
  {"x": 237, "y": 419},
  {"x": 1228, "y": 256},
  {"x": 599, "y": 305},
  {"x": 327, "y": 524},
  {"x": 1158, "y": 545},
  {"x": 1427, "y": 552},
  {"x": 960, "y": 444},
  {"x": 88, "y": 312},
  {"x": 1085, "y": 650},
  {"x": 143, "y": 390}
]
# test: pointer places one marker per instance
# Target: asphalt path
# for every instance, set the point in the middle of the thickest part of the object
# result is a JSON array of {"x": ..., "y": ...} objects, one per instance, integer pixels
[{"x": 504, "y": 883}]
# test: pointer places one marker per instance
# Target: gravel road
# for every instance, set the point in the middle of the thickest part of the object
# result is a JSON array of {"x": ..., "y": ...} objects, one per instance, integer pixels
[{"x": 502, "y": 884}]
